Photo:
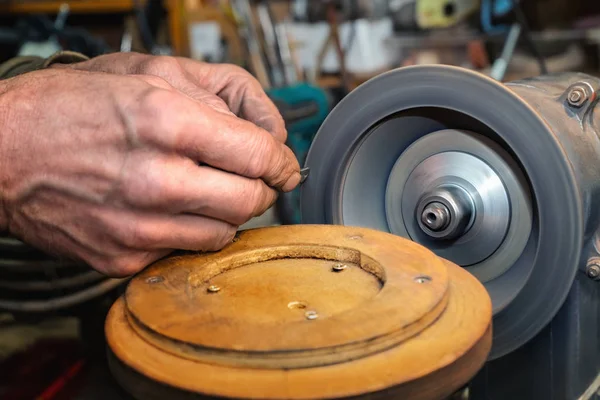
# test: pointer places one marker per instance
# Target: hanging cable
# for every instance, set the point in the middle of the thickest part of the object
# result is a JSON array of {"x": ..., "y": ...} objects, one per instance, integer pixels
[{"x": 527, "y": 35}]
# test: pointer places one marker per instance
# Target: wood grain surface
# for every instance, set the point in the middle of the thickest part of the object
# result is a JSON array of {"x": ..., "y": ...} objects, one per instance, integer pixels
[{"x": 272, "y": 316}]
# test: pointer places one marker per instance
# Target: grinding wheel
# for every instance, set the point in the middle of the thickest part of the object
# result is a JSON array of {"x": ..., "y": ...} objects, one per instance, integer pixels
[
  {"x": 463, "y": 165},
  {"x": 301, "y": 312}
]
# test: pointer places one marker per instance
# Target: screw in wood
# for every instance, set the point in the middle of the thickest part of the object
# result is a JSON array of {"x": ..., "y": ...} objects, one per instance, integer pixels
[
  {"x": 339, "y": 267},
  {"x": 423, "y": 279},
  {"x": 311, "y": 315},
  {"x": 213, "y": 289},
  {"x": 155, "y": 279}
]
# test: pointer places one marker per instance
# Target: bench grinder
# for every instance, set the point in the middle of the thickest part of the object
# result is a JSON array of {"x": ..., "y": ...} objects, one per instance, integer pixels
[{"x": 501, "y": 179}]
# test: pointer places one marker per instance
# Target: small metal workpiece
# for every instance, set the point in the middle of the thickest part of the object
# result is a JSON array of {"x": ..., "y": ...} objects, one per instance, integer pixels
[
  {"x": 304, "y": 174},
  {"x": 577, "y": 96},
  {"x": 339, "y": 267}
]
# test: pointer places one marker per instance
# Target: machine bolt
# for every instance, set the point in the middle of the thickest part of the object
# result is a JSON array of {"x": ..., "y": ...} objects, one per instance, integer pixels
[
  {"x": 311, "y": 315},
  {"x": 577, "y": 96},
  {"x": 339, "y": 267},
  {"x": 593, "y": 271},
  {"x": 436, "y": 216},
  {"x": 213, "y": 289}
]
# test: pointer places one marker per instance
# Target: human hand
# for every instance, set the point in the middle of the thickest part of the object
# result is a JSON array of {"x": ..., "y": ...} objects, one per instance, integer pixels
[
  {"x": 223, "y": 86},
  {"x": 104, "y": 168}
]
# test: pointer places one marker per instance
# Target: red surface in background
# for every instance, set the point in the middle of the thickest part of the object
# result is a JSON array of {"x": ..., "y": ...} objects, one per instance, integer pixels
[{"x": 45, "y": 371}]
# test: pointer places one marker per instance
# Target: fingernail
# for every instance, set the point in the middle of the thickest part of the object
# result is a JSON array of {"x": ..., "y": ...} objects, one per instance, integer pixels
[{"x": 292, "y": 182}]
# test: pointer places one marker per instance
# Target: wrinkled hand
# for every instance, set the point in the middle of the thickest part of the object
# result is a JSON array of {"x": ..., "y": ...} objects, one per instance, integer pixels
[
  {"x": 226, "y": 87},
  {"x": 119, "y": 170}
]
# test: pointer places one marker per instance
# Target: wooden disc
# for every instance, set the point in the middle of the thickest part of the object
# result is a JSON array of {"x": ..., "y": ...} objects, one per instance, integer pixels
[{"x": 302, "y": 312}]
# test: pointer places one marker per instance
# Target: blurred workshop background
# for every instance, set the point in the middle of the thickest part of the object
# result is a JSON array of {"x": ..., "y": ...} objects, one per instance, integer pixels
[{"x": 308, "y": 55}]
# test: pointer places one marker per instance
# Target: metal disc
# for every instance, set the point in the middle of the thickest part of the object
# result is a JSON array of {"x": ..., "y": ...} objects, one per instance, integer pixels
[
  {"x": 359, "y": 207},
  {"x": 489, "y": 210},
  {"x": 358, "y": 145},
  {"x": 502, "y": 215}
]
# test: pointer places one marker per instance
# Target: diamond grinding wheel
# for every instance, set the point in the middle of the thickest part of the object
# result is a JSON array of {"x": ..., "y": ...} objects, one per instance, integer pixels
[
  {"x": 301, "y": 312},
  {"x": 499, "y": 179}
]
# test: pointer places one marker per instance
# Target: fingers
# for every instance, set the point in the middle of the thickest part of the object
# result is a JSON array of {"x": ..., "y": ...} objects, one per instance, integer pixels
[
  {"x": 180, "y": 124},
  {"x": 205, "y": 97},
  {"x": 118, "y": 241},
  {"x": 127, "y": 263},
  {"x": 141, "y": 238},
  {"x": 241, "y": 91},
  {"x": 237, "y": 89},
  {"x": 154, "y": 81},
  {"x": 175, "y": 184},
  {"x": 190, "y": 90},
  {"x": 155, "y": 231}
]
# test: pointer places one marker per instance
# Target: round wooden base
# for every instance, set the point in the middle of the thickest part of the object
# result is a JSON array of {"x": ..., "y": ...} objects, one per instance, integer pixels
[{"x": 301, "y": 312}]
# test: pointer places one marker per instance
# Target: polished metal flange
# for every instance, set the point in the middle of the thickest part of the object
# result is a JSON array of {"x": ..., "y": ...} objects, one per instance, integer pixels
[
  {"x": 486, "y": 204},
  {"x": 458, "y": 162}
]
